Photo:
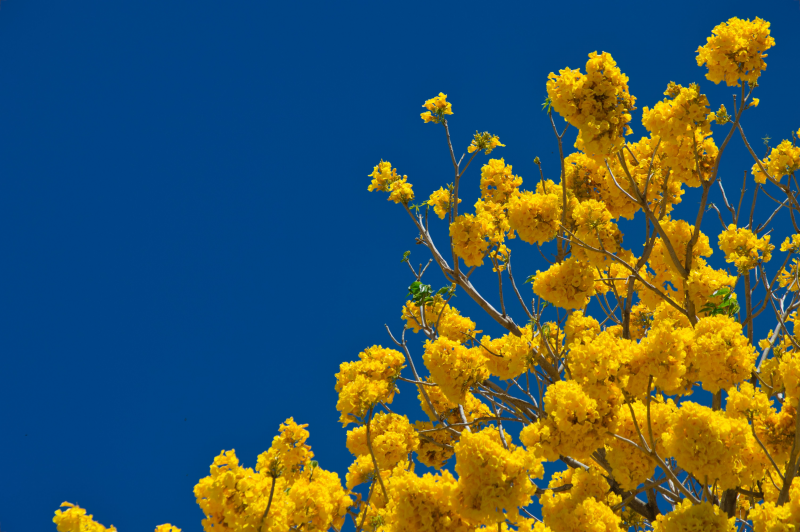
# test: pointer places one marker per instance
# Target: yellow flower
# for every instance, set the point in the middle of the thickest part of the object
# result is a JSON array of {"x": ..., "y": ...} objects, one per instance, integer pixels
[
  {"x": 454, "y": 367},
  {"x": 497, "y": 182},
  {"x": 597, "y": 103},
  {"x": 385, "y": 179},
  {"x": 493, "y": 481},
  {"x": 686, "y": 516},
  {"x": 437, "y": 107},
  {"x": 74, "y": 519},
  {"x": 713, "y": 446},
  {"x": 735, "y": 51},
  {"x": 423, "y": 504},
  {"x": 586, "y": 506},
  {"x": 782, "y": 160},
  {"x": 441, "y": 316},
  {"x": 683, "y": 123},
  {"x": 288, "y": 454},
  {"x": 508, "y": 357},
  {"x": 576, "y": 424},
  {"x": 535, "y": 217},
  {"x": 474, "y": 234},
  {"x": 392, "y": 437},
  {"x": 567, "y": 285},
  {"x": 725, "y": 357},
  {"x": 442, "y": 202},
  {"x": 484, "y": 141},
  {"x": 631, "y": 466},
  {"x": 365, "y": 382},
  {"x": 745, "y": 249}
]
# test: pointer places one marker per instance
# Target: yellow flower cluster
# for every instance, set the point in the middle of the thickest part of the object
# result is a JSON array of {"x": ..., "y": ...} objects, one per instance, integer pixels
[
  {"x": 448, "y": 410},
  {"x": 668, "y": 355},
  {"x": 469, "y": 233},
  {"x": 587, "y": 178},
  {"x": 365, "y": 382},
  {"x": 735, "y": 51},
  {"x": 484, "y": 141},
  {"x": 454, "y": 367},
  {"x": 385, "y": 179},
  {"x": 392, "y": 437},
  {"x": 442, "y": 202},
  {"x": 585, "y": 507},
  {"x": 423, "y": 504},
  {"x": 724, "y": 356},
  {"x": 744, "y": 249},
  {"x": 631, "y": 466},
  {"x": 776, "y": 430},
  {"x": 493, "y": 481},
  {"x": 713, "y": 446},
  {"x": 437, "y": 107},
  {"x": 704, "y": 281},
  {"x": 683, "y": 123},
  {"x": 687, "y": 517},
  {"x": 233, "y": 497},
  {"x": 597, "y": 103},
  {"x": 783, "y": 160},
  {"x": 602, "y": 360},
  {"x": 508, "y": 357},
  {"x": 535, "y": 216},
  {"x": 288, "y": 454},
  {"x": 678, "y": 116},
  {"x": 768, "y": 517},
  {"x": 679, "y": 233},
  {"x": 429, "y": 453},
  {"x": 790, "y": 277},
  {"x": 593, "y": 227},
  {"x": 789, "y": 369},
  {"x": 236, "y": 498},
  {"x": 567, "y": 284},
  {"x": 576, "y": 424},
  {"x": 498, "y": 184},
  {"x": 443, "y": 317},
  {"x": 74, "y": 519},
  {"x": 791, "y": 244},
  {"x": 580, "y": 329},
  {"x": 361, "y": 470}
]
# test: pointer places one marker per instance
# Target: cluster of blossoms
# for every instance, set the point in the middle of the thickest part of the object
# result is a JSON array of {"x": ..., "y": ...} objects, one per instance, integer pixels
[
  {"x": 735, "y": 51},
  {"x": 586, "y": 505},
  {"x": 598, "y": 103},
  {"x": 442, "y": 201},
  {"x": 286, "y": 491},
  {"x": 682, "y": 123},
  {"x": 441, "y": 316},
  {"x": 392, "y": 439},
  {"x": 568, "y": 284},
  {"x": 437, "y": 107},
  {"x": 385, "y": 179},
  {"x": 744, "y": 249},
  {"x": 454, "y": 367},
  {"x": 484, "y": 141},
  {"x": 368, "y": 381},
  {"x": 781, "y": 161}
]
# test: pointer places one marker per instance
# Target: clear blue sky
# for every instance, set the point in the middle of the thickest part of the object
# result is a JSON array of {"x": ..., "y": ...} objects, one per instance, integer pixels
[{"x": 188, "y": 246}]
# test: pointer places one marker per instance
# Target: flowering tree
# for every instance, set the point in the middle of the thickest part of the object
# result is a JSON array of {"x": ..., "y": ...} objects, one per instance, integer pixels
[{"x": 600, "y": 377}]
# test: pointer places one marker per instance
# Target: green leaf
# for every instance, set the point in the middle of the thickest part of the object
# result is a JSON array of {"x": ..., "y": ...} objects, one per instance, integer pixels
[
  {"x": 530, "y": 278},
  {"x": 405, "y": 257}
]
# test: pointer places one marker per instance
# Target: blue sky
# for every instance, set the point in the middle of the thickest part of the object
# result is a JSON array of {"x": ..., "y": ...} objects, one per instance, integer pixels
[{"x": 189, "y": 249}]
